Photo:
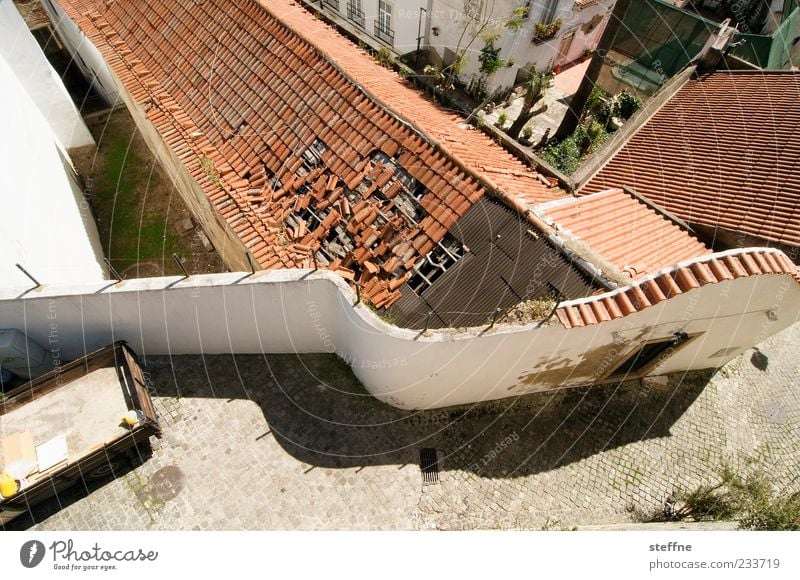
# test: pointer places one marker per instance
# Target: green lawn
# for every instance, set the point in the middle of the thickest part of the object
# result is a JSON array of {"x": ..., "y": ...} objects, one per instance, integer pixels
[{"x": 132, "y": 203}]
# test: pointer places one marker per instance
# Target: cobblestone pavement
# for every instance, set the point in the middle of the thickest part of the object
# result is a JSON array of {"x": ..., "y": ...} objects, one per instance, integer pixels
[{"x": 294, "y": 442}]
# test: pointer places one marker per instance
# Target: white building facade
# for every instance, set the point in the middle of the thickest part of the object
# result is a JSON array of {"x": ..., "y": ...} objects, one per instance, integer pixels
[
  {"x": 23, "y": 55},
  {"x": 548, "y": 34},
  {"x": 398, "y": 25},
  {"x": 46, "y": 226}
]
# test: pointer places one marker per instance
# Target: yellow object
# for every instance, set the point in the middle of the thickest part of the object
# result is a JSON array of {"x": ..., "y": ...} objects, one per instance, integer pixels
[
  {"x": 8, "y": 485},
  {"x": 131, "y": 418}
]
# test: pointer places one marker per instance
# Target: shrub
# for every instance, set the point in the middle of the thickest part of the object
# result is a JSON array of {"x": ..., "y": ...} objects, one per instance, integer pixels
[
  {"x": 490, "y": 58},
  {"x": 527, "y": 133},
  {"x": 626, "y": 105},
  {"x": 564, "y": 156},
  {"x": 597, "y": 105},
  {"x": 750, "y": 499},
  {"x": 502, "y": 119},
  {"x": 589, "y": 136},
  {"x": 384, "y": 57}
]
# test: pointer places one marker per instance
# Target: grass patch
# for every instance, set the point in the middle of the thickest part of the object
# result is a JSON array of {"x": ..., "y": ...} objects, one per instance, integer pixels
[
  {"x": 128, "y": 199},
  {"x": 752, "y": 499}
]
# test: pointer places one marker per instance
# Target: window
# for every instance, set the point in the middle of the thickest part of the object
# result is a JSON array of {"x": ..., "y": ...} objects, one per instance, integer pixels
[
  {"x": 355, "y": 12},
  {"x": 549, "y": 13},
  {"x": 383, "y": 25},
  {"x": 333, "y": 4},
  {"x": 649, "y": 353}
]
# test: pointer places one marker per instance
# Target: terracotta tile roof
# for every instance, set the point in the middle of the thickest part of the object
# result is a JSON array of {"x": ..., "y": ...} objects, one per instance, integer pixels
[
  {"x": 722, "y": 152},
  {"x": 680, "y": 279},
  {"x": 625, "y": 230},
  {"x": 265, "y": 108},
  {"x": 468, "y": 146},
  {"x": 585, "y": 3}
]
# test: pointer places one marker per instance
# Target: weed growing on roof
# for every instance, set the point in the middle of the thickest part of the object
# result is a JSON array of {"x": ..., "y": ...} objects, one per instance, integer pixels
[
  {"x": 387, "y": 317},
  {"x": 384, "y": 57},
  {"x": 210, "y": 170}
]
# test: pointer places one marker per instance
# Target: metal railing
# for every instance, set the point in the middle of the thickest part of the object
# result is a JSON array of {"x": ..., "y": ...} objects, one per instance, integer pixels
[
  {"x": 384, "y": 33},
  {"x": 355, "y": 14},
  {"x": 332, "y": 4}
]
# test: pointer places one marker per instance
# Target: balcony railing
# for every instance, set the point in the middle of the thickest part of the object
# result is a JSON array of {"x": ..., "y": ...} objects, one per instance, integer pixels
[
  {"x": 355, "y": 14},
  {"x": 384, "y": 33},
  {"x": 332, "y": 4}
]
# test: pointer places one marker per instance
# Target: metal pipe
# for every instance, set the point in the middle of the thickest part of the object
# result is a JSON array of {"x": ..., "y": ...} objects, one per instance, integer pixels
[
  {"x": 28, "y": 274},
  {"x": 419, "y": 34},
  {"x": 112, "y": 270},
  {"x": 495, "y": 318},
  {"x": 427, "y": 320},
  {"x": 180, "y": 265},
  {"x": 250, "y": 261}
]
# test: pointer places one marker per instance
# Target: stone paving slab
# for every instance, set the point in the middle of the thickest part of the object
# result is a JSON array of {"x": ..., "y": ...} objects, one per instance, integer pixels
[{"x": 294, "y": 442}]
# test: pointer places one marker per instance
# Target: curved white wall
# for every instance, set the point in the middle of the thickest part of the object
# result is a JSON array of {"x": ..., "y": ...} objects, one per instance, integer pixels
[{"x": 294, "y": 311}]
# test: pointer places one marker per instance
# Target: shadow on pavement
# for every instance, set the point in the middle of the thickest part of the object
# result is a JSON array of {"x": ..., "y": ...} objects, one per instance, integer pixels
[{"x": 320, "y": 414}]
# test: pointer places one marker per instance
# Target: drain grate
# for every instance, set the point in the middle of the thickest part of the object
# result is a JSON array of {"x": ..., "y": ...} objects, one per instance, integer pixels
[{"x": 429, "y": 465}]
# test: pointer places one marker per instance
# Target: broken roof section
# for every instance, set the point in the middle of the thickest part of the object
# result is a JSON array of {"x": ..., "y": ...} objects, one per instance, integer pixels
[
  {"x": 304, "y": 145},
  {"x": 721, "y": 153},
  {"x": 629, "y": 232}
]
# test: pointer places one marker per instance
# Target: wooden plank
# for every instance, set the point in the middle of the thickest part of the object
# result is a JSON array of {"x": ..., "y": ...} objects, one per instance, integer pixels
[
  {"x": 145, "y": 401},
  {"x": 56, "y": 378},
  {"x": 18, "y": 447}
]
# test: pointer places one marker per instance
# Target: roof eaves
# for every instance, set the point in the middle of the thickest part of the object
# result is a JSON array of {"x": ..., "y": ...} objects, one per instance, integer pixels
[{"x": 678, "y": 279}]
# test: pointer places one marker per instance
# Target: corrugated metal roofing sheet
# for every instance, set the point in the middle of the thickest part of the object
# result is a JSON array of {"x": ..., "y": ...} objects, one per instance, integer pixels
[{"x": 507, "y": 263}]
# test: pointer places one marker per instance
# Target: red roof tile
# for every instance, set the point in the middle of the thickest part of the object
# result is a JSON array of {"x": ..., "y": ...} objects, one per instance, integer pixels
[
  {"x": 710, "y": 269},
  {"x": 624, "y": 230},
  {"x": 722, "y": 152},
  {"x": 302, "y": 142}
]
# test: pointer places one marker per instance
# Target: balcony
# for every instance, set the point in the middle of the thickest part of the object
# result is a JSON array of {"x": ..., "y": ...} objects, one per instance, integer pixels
[
  {"x": 384, "y": 33},
  {"x": 333, "y": 4},
  {"x": 355, "y": 14}
]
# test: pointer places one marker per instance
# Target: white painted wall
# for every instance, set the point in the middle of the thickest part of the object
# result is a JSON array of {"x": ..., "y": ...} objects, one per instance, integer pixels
[
  {"x": 294, "y": 311},
  {"x": 45, "y": 223},
  {"x": 25, "y": 57},
  {"x": 86, "y": 56},
  {"x": 405, "y": 20},
  {"x": 448, "y": 17}
]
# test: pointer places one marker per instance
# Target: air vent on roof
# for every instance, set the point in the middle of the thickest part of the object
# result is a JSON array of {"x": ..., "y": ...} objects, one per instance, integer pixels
[{"x": 429, "y": 465}]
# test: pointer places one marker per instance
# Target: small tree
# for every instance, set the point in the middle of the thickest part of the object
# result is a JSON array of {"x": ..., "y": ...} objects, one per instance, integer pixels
[
  {"x": 478, "y": 19},
  {"x": 535, "y": 87}
]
